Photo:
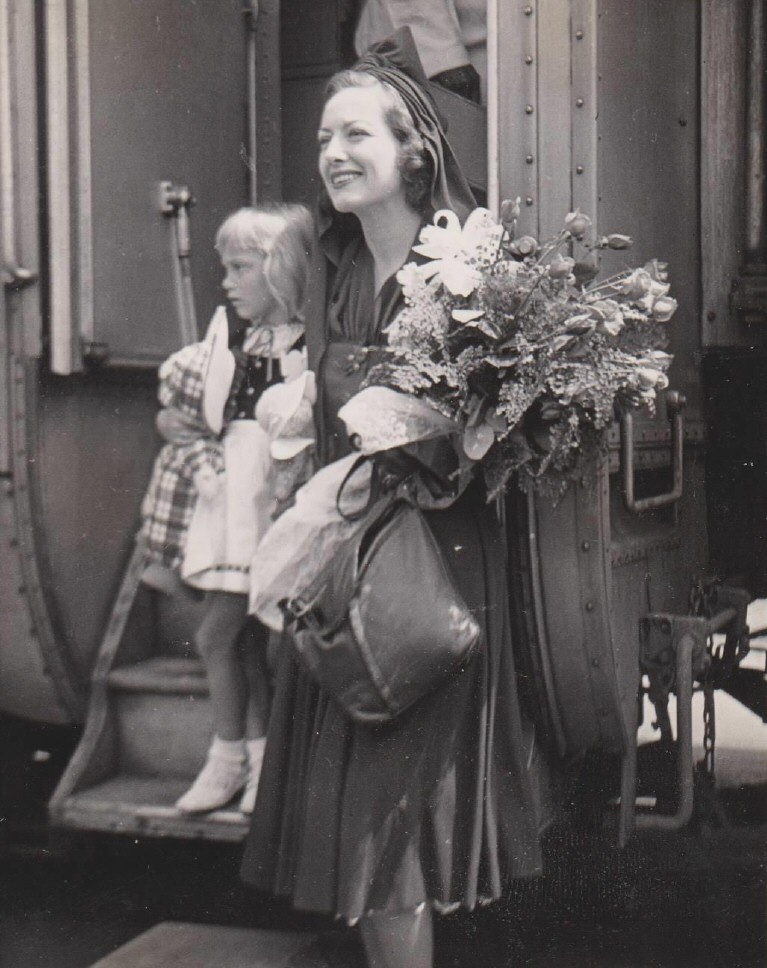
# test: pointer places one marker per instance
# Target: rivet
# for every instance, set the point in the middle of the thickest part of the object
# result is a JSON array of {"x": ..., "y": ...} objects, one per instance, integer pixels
[
  {"x": 595, "y": 663},
  {"x": 711, "y": 315},
  {"x": 528, "y": 201},
  {"x": 579, "y": 102},
  {"x": 589, "y": 606},
  {"x": 529, "y": 59},
  {"x": 528, "y": 109},
  {"x": 586, "y": 545},
  {"x": 529, "y": 159},
  {"x": 528, "y": 11},
  {"x": 579, "y": 170},
  {"x": 579, "y": 35}
]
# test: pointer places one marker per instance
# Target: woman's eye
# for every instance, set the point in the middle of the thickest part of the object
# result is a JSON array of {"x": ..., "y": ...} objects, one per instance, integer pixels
[{"x": 357, "y": 133}]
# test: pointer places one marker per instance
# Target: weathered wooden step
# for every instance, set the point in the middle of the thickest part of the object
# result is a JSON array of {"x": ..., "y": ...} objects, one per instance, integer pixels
[
  {"x": 162, "y": 735},
  {"x": 163, "y": 716},
  {"x": 203, "y": 945},
  {"x": 144, "y": 806},
  {"x": 162, "y": 674}
]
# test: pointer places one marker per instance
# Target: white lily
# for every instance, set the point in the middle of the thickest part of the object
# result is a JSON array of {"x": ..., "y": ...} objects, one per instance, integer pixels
[{"x": 453, "y": 249}]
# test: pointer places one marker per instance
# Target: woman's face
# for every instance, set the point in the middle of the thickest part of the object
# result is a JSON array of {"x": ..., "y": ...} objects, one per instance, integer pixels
[
  {"x": 359, "y": 155},
  {"x": 245, "y": 283}
]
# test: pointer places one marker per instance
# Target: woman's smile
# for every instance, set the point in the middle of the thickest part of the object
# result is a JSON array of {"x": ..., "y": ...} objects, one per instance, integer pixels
[{"x": 340, "y": 179}]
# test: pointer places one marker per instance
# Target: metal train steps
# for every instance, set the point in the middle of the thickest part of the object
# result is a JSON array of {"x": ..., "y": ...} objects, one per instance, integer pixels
[{"x": 203, "y": 946}]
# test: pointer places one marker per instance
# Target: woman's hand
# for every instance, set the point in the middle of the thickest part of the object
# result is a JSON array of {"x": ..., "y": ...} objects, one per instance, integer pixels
[{"x": 174, "y": 426}]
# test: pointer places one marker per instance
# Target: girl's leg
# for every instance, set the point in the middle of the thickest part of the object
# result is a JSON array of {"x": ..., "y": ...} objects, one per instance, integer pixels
[
  {"x": 226, "y": 769},
  {"x": 216, "y": 640},
  {"x": 396, "y": 940}
]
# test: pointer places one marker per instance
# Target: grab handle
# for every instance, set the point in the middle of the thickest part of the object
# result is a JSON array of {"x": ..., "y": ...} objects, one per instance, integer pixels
[{"x": 675, "y": 403}]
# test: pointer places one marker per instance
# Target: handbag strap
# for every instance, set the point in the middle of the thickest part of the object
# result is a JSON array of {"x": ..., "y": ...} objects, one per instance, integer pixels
[{"x": 375, "y": 489}]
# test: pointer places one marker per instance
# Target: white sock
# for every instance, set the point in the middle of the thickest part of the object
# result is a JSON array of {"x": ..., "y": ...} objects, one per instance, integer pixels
[
  {"x": 232, "y": 750},
  {"x": 256, "y": 749}
]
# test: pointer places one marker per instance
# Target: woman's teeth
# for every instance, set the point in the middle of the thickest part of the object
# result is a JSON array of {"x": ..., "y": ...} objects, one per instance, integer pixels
[{"x": 338, "y": 181}]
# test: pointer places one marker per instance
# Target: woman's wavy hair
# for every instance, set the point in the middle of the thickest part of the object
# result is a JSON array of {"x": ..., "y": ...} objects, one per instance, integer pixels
[
  {"x": 415, "y": 164},
  {"x": 281, "y": 233}
]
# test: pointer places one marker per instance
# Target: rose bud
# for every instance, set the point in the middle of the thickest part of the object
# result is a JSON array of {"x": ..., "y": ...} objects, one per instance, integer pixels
[
  {"x": 524, "y": 246},
  {"x": 577, "y": 223},
  {"x": 585, "y": 271},
  {"x": 510, "y": 211},
  {"x": 560, "y": 267},
  {"x": 636, "y": 284},
  {"x": 664, "y": 308},
  {"x": 580, "y": 325},
  {"x": 650, "y": 378},
  {"x": 616, "y": 241},
  {"x": 657, "y": 269}
]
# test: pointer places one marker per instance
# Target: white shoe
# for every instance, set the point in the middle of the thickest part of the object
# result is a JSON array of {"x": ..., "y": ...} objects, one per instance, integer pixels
[
  {"x": 219, "y": 780},
  {"x": 255, "y": 759}
]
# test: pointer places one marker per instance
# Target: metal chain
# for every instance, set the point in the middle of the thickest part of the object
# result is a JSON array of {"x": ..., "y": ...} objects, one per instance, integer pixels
[
  {"x": 698, "y": 605},
  {"x": 709, "y": 727}
]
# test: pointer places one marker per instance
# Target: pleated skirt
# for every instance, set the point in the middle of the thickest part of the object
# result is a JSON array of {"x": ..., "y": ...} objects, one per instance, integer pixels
[{"x": 440, "y": 806}]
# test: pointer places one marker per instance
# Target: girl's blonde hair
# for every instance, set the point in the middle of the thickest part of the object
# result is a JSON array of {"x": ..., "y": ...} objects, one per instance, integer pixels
[{"x": 281, "y": 233}]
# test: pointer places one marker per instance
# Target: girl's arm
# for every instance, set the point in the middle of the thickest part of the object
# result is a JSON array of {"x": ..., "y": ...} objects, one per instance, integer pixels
[{"x": 176, "y": 427}]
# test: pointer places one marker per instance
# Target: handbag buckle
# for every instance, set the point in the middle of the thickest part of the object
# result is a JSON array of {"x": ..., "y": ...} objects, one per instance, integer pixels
[{"x": 299, "y": 610}]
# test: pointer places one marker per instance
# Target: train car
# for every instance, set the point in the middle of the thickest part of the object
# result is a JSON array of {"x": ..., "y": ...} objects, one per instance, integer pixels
[{"x": 130, "y": 130}]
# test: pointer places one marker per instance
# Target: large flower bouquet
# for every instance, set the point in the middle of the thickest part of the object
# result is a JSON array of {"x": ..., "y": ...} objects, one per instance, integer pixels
[{"x": 514, "y": 342}]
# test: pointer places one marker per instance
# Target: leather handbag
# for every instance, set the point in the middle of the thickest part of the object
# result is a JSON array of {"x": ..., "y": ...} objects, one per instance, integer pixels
[{"x": 384, "y": 625}]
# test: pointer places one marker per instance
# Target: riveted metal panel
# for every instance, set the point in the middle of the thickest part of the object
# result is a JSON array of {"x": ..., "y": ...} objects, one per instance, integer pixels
[
  {"x": 585, "y": 107},
  {"x": 517, "y": 117},
  {"x": 552, "y": 161}
]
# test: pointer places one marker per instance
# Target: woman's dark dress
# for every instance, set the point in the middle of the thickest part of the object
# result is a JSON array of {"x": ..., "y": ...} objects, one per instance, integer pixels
[{"x": 439, "y": 805}]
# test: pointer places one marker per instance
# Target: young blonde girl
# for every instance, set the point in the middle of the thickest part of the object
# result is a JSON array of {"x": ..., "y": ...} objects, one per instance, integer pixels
[{"x": 213, "y": 491}]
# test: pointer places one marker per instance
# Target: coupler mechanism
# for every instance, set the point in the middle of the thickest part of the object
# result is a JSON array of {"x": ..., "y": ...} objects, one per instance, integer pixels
[{"x": 677, "y": 655}]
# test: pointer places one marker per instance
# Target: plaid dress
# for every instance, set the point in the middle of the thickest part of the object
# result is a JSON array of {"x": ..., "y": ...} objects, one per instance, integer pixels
[{"x": 170, "y": 499}]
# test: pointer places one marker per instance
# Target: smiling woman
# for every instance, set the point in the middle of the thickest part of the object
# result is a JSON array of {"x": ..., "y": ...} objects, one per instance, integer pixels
[{"x": 437, "y": 808}]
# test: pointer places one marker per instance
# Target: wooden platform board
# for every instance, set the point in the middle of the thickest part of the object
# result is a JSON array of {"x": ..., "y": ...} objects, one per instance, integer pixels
[
  {"x": 174, "y": 944},
  {"x": 145, "y": 806}
]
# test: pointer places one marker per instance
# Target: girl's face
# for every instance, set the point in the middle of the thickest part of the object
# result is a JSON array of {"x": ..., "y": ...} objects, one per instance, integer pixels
[
  {"x": 359, "y": 155},
  {"x": 245, "y": 283}
]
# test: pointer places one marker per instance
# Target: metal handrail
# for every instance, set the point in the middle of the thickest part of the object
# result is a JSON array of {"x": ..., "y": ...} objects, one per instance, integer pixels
[{"x": 675, "y": 403}]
